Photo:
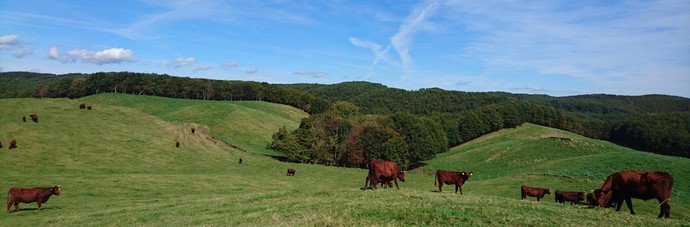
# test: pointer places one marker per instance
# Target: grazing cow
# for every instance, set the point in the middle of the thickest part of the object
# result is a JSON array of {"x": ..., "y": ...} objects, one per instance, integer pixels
[
  {"x": 82, "y": 106},
  {"x": 240, "y": 160},
  {"x": 34, "y": 117},
  {"x": 193, "y": 129},
  {"x": 88, "y": 107},
  {"x": 177, "y": 144},
  {"x": 625, "y": 185},
  {"x": 534, "y": 192},
  {"x": 13, "y": 144},
  {"x": 291, "y": 172},
  {"x": 383, "y": 171},
  {"x": 450, "y": 177},
  {"x": 24, "y": 118},
  {"x": 30, "y": 195},
  {"x": 573, "y": 197}
]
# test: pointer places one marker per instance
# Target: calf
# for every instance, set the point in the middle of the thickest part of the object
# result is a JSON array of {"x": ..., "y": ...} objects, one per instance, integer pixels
[
  {"x": 573, "y": 197},
  {"x": 13, "y": 144},
  {"x": 291, "y": 172},
  {"x": 30, "y": 195},
  {"x": 534, "y": 192},
  {"x": 82, "y": 106},
  {"x": 34, "y": 117}
]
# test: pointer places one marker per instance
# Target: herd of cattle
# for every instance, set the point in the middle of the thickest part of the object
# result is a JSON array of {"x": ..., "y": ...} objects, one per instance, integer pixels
[{"x": 618, "y": 187}]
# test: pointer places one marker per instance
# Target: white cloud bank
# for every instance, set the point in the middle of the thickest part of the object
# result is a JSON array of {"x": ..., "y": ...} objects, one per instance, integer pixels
[
  {"x": 107, "y": 56},
  {"x": 9, "y": 42},
  {"x": 181, "y": 62}
]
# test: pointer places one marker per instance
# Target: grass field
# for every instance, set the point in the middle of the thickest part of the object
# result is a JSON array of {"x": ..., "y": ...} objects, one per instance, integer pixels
[{"x": 118, "y": 165}]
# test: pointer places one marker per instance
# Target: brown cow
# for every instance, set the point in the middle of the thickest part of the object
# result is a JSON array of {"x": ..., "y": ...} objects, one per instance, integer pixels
[
  {"x": 38, "y": 95},
  {"x": 34, "y": 117},
  {"x": 82, "y": 106},
  {"x": 450, "y": 177},
  {"x": 383, "y": 171},
  {"x": 30, "y": 195},
  {"x": 572, "y": 197},
  {"x": 625, "y": 185},
  {"x": 13, "y": 144},
  {"x": 291, "y": 172},
  {"x": 534, "y": 192}
]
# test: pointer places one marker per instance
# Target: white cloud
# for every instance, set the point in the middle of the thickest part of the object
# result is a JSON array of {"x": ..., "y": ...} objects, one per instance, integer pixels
[
  {"x": 311, "y": 74},
  {"x": 251, "y": 71},
  {"x": 181, "y": 62},
  {"x": 9, "y": 42},
  {"x": 230, "y": 65},
  {"x": 202, "y": 68},
  {"x": 415, "y": 22},
  {"x": 107, "y": 56},
  {"x": 54, "y": 53},
  {"x": 375, "y": 48}
]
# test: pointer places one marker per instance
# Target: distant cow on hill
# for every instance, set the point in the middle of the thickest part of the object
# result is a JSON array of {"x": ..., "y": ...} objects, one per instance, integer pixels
[
  {"x": 88, "y": 107},
  {"x": 383, "y": 171},
  {"x": 13, "y": 144},
  {"x": 34, "y": 117},
  {"x": 291, "y": 172},
  {"x": 38, "y": 95},
  {"x": 30, "y": 195},
  {"x": 82, "y": 106},
  {"x": 450, "y": 177},
  {"x": 534, "y": 192},
  {"x": 240, "y": 160},
  {"x": 177, "y": 144},
  {"x": 624, "y": 185},
  {"x": 572, "y": 197}
]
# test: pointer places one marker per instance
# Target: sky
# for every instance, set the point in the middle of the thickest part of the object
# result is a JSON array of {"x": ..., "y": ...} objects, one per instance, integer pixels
[{"x": 558, "y": 48}]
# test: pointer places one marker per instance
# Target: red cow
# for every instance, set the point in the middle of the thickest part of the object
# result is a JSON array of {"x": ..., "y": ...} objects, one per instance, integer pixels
[
  {"x": 30, "y": 195},
  {"x": 38, "y": 95},
  {"x": 534, "y": 192},
  {"x": 13, "y": 144},
  {"x": 291, "y": 172},
  {"x": 82, "y": 106},
  {"x": 572, "y": 197},
  {"x": 34, "y": 117},
  {"x": 624, "y": 185},
  {"x": 450, "y": 177},
  {"x": 385, "y": 172}
]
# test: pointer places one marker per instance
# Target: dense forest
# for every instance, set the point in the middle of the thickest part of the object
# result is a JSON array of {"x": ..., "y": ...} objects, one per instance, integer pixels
[{"x": 353, "y": 122}]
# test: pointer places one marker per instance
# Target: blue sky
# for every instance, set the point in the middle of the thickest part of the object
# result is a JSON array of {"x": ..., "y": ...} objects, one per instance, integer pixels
[{"x": 549, "y": 47}]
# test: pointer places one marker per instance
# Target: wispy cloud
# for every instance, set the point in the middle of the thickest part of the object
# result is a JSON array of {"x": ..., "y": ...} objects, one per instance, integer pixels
[
  {"x": 415, "y": 22},
  {"x": 9, "y": 42},
  {"x": 23, "y": 53},
  {"x": 181, "y": 62},
  {"x": 311, "y": 74},
  {"x": 202, "y": 68},
  {"x": 230, "y": 65},
  {"x": 379, "y": 55},
  {"x": 251, "y": 71}
]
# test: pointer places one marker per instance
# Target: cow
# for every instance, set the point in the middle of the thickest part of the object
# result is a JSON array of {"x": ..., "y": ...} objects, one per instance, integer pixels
[
  {"x": 572, "y": 197},
  {"x": 82, "y": 106},
  {"x": 30, "y": 195},
  {"x": 13, "y": 144},
  {"x": 625, "y": 185},
  {"x": 383, "y": 171},
  {"x": 23, "y": 118},
  {"x": 240, "y": 160},
  {"x": 450, "y": 177},
  {"x": 177, "y": 144},
  {"x": 88, "y": 108},
  {"x": 291, "y": 172},
  {"x": 34, "y": 117},
  {"x": 38, "y": 95},
  {"x": 534, "y": 192}
]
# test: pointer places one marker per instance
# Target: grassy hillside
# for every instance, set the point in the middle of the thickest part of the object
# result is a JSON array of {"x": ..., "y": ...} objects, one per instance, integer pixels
[
  {"x": 246, "y": 124},
  {"x": 117, "y": 165},
  {"x": 545, "y": 157}
]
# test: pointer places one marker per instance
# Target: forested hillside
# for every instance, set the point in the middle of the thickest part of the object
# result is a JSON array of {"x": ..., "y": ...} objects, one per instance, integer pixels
[{"x": 408, "y": 120}]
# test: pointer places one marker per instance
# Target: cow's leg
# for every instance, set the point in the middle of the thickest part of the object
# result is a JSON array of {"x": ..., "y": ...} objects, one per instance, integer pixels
[
  {"x": 628, "y": 202},
  {"x": 39, "y": 205},
  {"x": 9, "y": 205},
  {"x": 538, "y": 198},
  {"x": 664, "y": 209},
  {"x": 396, "y": 183},
  {"x": 16, "y": 206}
]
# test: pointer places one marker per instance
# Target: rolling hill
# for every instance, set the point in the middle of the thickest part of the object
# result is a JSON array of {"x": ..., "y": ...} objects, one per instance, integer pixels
[{"x": 118, "y": 165}]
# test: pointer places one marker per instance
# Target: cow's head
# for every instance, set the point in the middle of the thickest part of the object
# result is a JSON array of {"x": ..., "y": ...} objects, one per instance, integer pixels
[
  {"x": 55, "y": 190},
  {"x": 603, "y": 199},
  {"x": 547, "y": 191},
  {"x": 401, "y": 175},
  {"x": 466, "y": 175}
]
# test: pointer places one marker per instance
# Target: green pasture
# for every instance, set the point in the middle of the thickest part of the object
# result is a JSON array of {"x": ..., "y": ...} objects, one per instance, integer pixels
[{"x": 118, "y": 165}]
